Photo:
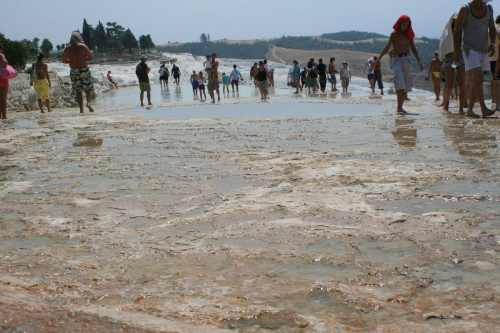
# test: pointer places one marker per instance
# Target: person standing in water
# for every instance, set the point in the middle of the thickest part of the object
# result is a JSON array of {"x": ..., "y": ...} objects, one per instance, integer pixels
[
  {"x": 435, "y": 71},
  {"x": 261, "y": 78},
  {"x": 194, "y": 82},
  {"x": 401, "y": 41},
  {"x": 235, "y": 78},
  {"x": 378, "y": 75},
  {"x": 142, "y": 70},
  {"x": 77, "y": 55},
  {"x": 473, "y": 26}
]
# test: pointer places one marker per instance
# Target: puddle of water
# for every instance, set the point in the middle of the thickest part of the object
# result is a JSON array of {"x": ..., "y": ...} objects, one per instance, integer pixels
[
  {"x": 465, "y": 188},
  {"x": 26, "y": 123},
  {"x": 263, "y": 110},
  {"x": 417, "y": 205},
  {"x": 31, "y": 242},
  {"x": 184, "y": 94}
]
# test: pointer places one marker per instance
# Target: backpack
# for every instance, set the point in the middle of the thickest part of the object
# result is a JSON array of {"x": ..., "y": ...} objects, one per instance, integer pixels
[{"x": 139, "y": 70}]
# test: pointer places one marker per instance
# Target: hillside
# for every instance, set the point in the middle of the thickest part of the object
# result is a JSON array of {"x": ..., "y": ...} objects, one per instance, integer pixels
[{"x": 355, "y": 45}]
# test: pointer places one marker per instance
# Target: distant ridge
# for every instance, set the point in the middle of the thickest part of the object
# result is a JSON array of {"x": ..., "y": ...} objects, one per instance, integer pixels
[
  {"x": 352, "y": 41},
  {"x": 353, "y": 36}
]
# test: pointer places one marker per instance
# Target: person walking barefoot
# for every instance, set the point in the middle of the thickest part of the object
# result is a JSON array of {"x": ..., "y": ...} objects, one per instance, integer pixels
[
  {"x": 435, "y": 69},
  {"x": 401, "y": 41},
  {"x": 77, "y": 55}
]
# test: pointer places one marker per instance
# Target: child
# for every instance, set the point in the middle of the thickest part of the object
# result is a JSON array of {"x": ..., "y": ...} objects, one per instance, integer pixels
[
  {"x": 332, "y": 71},
  {"x": 401, "y": 40},
  {"x": 214, "y": 65},
  {"x": 225, "y": 82},
  {"x": 345, "y": 76},
  {"x": 208, "y": 65},
  {"x": 201, "y": 86}
]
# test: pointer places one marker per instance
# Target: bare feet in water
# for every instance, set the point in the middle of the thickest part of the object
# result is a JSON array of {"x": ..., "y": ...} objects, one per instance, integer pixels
[
  {"x": 471, "y": 114},
  {"x": 488, "y": 113}
]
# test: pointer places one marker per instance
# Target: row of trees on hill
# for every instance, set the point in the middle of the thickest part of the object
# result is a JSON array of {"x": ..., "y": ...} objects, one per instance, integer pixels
[
  {"x": 258, "y": 50},
  {"x": 113, "y": 38},
  {"x": 350, "y": 36}
]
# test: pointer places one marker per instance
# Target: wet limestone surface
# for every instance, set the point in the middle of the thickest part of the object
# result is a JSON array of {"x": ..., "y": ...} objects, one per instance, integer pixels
[{"x": 115, "y": 221}]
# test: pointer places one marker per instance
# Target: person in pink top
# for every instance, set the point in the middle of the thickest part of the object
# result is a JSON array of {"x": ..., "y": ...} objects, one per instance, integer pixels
[{"x": 4, "y": 87}]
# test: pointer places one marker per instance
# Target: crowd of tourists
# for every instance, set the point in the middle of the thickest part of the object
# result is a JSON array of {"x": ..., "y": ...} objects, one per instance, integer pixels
[{"x": 469, "y": 47}]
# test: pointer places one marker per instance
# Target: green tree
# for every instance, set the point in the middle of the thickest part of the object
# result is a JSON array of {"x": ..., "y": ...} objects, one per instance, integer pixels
[
  {"x": 203, "y": 38},
  {"x": 35, "y": 46},
  {"x": 129, "y": 41},
  {"x": 88, "y": 34},
  {"x": 46, "y": 47},
  {"x": 146, "y": 42},
  {"x": 27, "y": 46},
  {"x": 114, "y": 33},
  {"x": 14, "y": 52},
  {"x": 100, "y": 36}
]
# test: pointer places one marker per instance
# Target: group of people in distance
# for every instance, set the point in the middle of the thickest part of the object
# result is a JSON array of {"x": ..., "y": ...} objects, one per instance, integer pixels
[
  {"x": 211, "y": 65},
  {"x": 316, "y": 75},
  {"x": 164, "y": 74},
  {"x": 469, "y": 47}
]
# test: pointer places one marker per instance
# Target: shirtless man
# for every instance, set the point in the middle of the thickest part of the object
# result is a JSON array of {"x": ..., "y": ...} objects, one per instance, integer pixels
[
  {"x": 401, "y": 40},
  {"x": 77, "y": 55},
  {"x": 213, "y": 77},
  {"x": 473, "y": 26},
  {"x": 435, "y": 69}
]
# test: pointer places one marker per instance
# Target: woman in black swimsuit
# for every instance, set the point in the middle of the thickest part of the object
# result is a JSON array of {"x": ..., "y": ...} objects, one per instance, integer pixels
[{"x": 261, "y": 77}]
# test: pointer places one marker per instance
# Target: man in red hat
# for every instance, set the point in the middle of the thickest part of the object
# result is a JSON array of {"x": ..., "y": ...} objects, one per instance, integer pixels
[{"x": 401, "y": 40}]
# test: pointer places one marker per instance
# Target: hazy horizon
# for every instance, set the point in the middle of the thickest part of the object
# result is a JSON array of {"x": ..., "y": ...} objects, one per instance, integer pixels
[{"x": 242, "y": 20}]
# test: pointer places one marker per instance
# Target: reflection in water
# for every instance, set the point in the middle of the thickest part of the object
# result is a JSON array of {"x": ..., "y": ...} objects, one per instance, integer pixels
[
  {"x": 476, "y": 139},
  {"x": 346, "y": 95},
  {"x": 87, "y": 140},
  {"x": 404, "y": 134}
]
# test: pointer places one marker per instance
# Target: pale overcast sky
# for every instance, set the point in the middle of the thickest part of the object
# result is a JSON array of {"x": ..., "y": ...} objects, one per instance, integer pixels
[{"x": 184, "y": 21}]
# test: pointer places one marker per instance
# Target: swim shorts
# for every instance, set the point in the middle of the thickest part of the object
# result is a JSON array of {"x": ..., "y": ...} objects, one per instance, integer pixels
[
  {"x": 371, "y": 76},
  {"x": 195, "y": 84},
  {"x": 333, "y": 79},
  {"x": 144, "y": 86},
  {"x": 437, "y": 75},
  {"x": 42, "y": 89},
  {"x": 262, "y": 84},
  {"x": 474, "y": 59},
  {"x": 234, "y": 82},
  {"x": 81, "y": 79},
  {"x": 213, "y": 85},
  {"x": 403, "y": 78},
  {"x": 345, "y": 82}
]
